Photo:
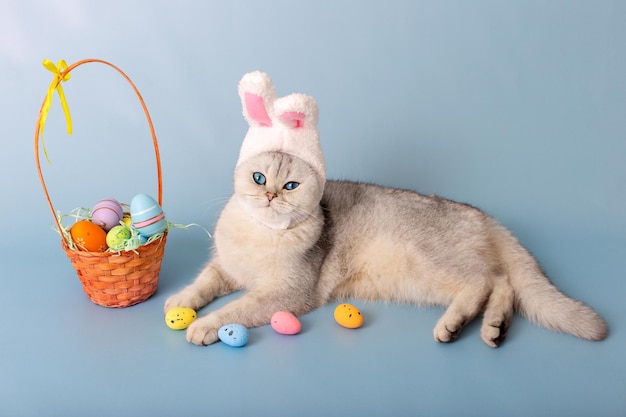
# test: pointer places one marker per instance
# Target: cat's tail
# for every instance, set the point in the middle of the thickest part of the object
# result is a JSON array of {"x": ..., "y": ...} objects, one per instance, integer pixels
[{"x": 537, "y": 299}]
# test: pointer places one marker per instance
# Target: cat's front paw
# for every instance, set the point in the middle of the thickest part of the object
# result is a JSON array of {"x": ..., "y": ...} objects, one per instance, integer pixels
[
  {"x": 185, "y": 298},
  {"x": 203, "y": 331}
]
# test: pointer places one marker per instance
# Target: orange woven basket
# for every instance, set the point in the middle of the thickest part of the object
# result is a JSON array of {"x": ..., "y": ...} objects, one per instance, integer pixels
[{"x": 112, "y": 279}]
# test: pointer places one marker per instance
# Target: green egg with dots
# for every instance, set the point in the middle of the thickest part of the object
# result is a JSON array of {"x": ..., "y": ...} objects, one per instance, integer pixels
[
  {"x": 179, "y": 318},
  {"x": 117, "y": 236}
]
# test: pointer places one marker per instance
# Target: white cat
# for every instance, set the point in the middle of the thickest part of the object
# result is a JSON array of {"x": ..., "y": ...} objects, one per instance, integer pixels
[{"x": 294, "y": 242}]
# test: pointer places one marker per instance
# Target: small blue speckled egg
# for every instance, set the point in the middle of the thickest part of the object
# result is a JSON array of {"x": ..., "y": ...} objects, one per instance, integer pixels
[{"x": 234, "y": 335}]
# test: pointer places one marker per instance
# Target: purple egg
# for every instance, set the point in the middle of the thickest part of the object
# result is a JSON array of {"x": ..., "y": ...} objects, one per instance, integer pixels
[{"x": 107, "y": 213}]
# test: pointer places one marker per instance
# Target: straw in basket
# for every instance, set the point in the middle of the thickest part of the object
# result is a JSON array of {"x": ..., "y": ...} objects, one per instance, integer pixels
[{"x": 110, "y": 279}]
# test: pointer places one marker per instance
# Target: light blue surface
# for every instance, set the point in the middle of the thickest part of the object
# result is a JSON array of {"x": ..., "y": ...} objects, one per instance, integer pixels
[{"x": 516, "y": 107}]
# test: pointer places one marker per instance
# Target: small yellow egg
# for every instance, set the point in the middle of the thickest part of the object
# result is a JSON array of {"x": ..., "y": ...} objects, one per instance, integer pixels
[
  {"x": 179, "y": 318},
  {"x": 127, "y": 221},
  {"x": 348, "y": 316}
]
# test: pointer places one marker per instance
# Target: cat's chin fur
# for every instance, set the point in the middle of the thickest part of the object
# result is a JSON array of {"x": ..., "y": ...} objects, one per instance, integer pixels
[{"x": 268, "y": 216}]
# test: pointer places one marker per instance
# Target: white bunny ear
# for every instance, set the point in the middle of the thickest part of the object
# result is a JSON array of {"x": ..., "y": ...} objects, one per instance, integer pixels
[
  {"x": 297, "y": 111},
  {"x": 287, "y": 124},
  {"x": 257, "y": 94}
]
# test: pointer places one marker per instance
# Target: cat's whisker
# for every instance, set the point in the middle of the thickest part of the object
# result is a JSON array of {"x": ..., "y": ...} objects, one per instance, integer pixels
[
  {"x": 299, "y": 209},
  {"x": 219, "y": 201}
]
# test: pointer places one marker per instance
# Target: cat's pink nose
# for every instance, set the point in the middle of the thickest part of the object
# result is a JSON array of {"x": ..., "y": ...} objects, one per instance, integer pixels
[{"x": 270, "y": 195}]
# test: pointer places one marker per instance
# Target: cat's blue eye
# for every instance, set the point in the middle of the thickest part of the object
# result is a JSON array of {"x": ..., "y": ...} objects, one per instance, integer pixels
[
  {"x": 291, "y": 185},
  {"x": 259, "y": 178}
]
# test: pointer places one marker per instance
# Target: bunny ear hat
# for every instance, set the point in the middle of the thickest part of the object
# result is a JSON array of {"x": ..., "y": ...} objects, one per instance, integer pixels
[{"x": 286, "y": 124}]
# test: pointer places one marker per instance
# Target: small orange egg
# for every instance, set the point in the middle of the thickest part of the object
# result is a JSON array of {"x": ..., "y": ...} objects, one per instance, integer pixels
[
  {"x": 88, "y": 236},
  {"x": 348, "y": 316}
]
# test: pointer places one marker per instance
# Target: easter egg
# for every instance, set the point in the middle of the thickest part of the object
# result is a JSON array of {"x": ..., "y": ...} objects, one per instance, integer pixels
[
  {"x": 127, "y": 221},
  {"x": 234, "y": 335},
  {"x": 107, "y": 213},
  {"x": 179, "y": 318},
  {"x": 285, "y": 323},
  {"x": 88, "y": 236},
  {"x": 348, "y": 316},
  {"x": 147, "y": 216},
  {"x": 117, "y": 237}
]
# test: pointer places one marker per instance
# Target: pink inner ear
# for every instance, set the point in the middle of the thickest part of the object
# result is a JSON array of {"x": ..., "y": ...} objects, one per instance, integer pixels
[
  {"x": 296, "y": 119},
  {"x": 256, "y": 110}
]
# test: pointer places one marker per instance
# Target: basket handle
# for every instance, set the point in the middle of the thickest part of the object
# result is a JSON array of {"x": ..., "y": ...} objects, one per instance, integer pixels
[{"x": 62, "y": 74}]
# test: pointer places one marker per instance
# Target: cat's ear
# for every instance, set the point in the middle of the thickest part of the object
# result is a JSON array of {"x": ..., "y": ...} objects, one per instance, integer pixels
[{"x": 257, "y": 94}]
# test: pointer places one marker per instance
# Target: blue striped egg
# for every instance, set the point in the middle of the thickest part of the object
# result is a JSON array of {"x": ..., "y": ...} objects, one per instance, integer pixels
[{"x": 147, "y": 215}]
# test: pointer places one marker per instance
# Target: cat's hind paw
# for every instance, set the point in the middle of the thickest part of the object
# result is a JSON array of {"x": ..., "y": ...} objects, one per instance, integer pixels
[
  {"x": 494, "y": 333},
  {"x": 447, "y": 330},
  {"x": 444, "y": 335}
]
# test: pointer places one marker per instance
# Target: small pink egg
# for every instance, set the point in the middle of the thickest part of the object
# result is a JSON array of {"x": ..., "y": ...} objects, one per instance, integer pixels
[{"x": 285, "y": 323}]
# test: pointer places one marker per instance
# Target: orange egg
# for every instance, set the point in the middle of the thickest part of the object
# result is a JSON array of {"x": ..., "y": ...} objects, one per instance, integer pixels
[
  {"x": 348, "y": 316},
  {"x": 88, "y": 236}
]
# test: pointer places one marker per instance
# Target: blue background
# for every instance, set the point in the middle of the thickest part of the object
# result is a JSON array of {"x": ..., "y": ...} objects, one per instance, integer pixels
[{"x": 517, "y": 107}]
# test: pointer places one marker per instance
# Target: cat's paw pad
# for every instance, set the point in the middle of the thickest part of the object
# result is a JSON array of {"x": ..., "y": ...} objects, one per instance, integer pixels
[
  {"x": 202, "y": 332},
  {"x": 494, "y": 333}
]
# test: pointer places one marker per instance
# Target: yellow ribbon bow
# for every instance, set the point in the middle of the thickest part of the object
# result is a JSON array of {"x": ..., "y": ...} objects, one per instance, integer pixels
[{"x": 59, "y": 70}]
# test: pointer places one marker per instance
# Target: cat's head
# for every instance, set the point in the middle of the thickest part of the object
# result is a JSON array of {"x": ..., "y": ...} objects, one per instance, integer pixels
[{"x": 277, "y": 189}]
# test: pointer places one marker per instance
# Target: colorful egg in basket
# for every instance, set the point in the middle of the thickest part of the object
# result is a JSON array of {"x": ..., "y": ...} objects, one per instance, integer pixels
[
  {"x": 107, "y": 213},
  {"x": 117, "y": 236},
  {"x": 147, "y": 215},
  {"x": 88, "y": 236}
]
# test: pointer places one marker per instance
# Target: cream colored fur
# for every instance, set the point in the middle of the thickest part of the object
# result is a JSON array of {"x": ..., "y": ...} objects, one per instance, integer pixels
[{"x": 299, "y": 249}]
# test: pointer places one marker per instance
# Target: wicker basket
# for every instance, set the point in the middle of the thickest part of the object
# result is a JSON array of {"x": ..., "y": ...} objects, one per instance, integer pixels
[{"x": 113, "y": 279}]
